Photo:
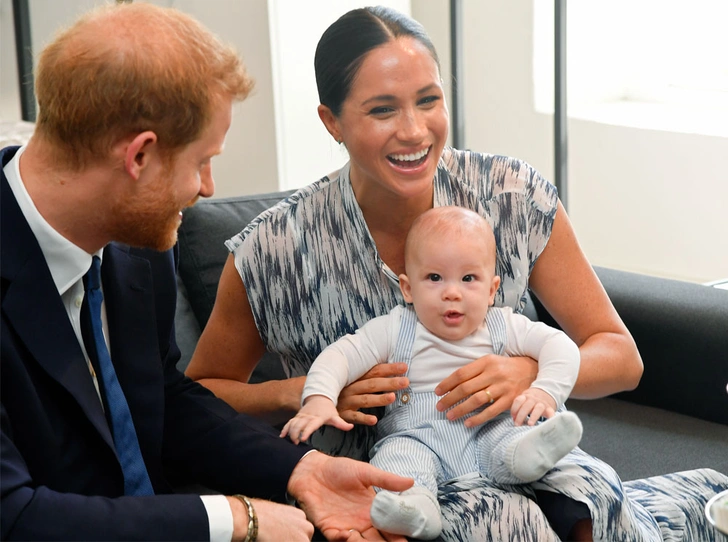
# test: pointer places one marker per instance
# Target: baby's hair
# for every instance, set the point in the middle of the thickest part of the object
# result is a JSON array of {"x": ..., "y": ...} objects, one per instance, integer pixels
[{"x": 455, "y": 221}]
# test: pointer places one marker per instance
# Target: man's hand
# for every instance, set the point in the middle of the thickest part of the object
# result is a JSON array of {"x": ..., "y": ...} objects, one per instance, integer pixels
[
  {"x": 317, "y": 411},
  {"x": 275, "y": 521},
  {"x": 499, "y": 378},
  {"x": 531, "y": 405},
  {"x": 336, "y": 494},
  {"x": 374, "y": 389}
]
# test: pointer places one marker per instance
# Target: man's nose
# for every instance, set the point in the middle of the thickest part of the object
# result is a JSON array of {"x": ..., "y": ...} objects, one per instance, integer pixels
[{"x": 207, "y": 183}]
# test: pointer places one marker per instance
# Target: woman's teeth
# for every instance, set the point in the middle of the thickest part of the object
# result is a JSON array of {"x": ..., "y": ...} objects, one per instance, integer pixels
[{"x": 410, "y": 157}]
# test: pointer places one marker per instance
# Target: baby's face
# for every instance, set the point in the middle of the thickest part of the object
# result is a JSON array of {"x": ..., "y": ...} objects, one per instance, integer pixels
[{"x": 451, "y": 283}]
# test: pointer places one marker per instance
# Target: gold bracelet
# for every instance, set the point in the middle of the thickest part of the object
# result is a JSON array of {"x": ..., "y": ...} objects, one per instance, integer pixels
[{"x": 252, "y": 519}]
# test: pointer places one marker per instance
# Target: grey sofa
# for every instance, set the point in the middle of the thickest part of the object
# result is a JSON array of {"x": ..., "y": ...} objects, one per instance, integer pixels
[{"x": 677, "y": 418}]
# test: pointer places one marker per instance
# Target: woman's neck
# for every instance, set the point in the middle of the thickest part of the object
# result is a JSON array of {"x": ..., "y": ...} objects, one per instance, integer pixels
[{"x": 389, "y": 218}]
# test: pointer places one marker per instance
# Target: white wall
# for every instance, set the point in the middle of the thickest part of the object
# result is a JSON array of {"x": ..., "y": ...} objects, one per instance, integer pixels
[{"x": 9, "y": 101}]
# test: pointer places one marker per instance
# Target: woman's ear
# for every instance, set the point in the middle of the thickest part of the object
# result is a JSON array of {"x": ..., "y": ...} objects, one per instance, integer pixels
[
  {"x": 406, "y": 287},
  {"x": 330, "y": 121},
  {"x": 138, "y": 153}
]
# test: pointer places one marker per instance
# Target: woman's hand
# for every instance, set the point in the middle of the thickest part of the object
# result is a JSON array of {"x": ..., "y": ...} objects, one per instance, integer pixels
[
  {"x": 375, "y": 389},
  {"x": 491, "y": 380}
]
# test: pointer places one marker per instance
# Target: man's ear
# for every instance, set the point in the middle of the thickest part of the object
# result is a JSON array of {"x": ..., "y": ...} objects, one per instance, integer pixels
[
  {"x": 138, "y": 153},
  {"x": 330, "y": 121},
  {"x": 406, "y": 287},
  {"x": 494, "y": 285}
]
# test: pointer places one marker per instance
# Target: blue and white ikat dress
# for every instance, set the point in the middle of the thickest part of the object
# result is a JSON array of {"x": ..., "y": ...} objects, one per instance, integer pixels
[{"x": 313, "y": 273}]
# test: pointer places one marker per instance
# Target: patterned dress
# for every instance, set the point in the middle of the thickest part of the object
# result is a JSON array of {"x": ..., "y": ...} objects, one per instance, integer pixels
[{"x": 313, "y": 274}]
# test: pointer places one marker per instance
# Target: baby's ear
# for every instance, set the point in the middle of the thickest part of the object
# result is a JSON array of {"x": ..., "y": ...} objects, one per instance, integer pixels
[
  {"x": 406, "y": 287},
  {"x": 494, "y": 285}
]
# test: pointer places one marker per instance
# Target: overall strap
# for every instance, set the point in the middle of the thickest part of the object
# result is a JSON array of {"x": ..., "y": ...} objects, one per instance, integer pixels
[
  {"x": 496, "y": 323},
  {"x": 403, "y": 350},
  {"x": 405, "y": 340}
]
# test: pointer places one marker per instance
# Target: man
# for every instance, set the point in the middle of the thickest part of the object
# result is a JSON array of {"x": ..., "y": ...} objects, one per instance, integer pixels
[{"x": 134, "y": 101}]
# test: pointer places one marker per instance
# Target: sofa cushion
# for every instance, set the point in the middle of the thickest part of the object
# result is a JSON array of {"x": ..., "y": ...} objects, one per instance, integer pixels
[
  {"x": 205, "y": 228},
  {"x": 640, "y": 441}
]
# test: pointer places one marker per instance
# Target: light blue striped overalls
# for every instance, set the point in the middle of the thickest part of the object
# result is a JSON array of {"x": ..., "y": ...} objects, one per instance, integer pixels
[{"x": 415, "y": 439}]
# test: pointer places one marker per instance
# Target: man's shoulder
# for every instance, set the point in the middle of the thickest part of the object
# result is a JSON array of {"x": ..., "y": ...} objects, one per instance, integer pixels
[{"x": 6, "y": 154}]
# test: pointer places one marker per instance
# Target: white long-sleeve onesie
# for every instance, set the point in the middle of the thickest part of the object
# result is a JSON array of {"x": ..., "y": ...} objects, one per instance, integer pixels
[{"x": 433, "y": 358}]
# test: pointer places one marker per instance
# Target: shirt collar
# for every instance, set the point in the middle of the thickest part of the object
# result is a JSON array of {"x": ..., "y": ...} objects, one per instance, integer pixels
[{"x": 67, "y": 262}]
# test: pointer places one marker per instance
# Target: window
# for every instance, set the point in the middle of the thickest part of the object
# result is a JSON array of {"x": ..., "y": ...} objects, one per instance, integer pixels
[{"x": 659, "y": 64}]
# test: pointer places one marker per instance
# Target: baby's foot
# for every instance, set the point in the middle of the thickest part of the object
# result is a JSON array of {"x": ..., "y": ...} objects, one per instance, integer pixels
[
  {"x": 535, "y": 453},
  {"x": 413, "y": 513}
]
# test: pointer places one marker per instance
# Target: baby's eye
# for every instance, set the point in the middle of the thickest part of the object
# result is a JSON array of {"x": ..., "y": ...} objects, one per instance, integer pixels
[
  {"x": 468, "y": 278},
  {"x": 434, "y": 277}
]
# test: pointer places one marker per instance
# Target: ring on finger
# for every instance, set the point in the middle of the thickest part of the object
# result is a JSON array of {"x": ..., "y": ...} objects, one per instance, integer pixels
[{"x": 490, "y": 397}]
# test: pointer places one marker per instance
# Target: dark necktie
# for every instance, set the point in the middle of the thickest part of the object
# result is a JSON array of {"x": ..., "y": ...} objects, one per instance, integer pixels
[{"x": 136, "y": 478}]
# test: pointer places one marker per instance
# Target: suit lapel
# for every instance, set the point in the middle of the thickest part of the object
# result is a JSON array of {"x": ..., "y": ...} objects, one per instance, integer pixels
[
  {"x": 35, "y": 311},
  {"x": 129, "y": 298}
]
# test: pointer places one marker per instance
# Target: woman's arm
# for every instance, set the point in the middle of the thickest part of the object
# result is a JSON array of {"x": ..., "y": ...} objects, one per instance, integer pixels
[
  {"x": 230, "y": 348},
  {"x": 567, "y": 286}
]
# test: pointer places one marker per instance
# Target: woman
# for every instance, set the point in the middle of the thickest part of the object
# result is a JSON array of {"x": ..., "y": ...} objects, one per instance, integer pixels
[{"x": 326, "y": 260}]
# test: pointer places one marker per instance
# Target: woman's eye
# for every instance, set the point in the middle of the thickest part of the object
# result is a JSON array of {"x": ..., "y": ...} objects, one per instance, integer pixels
[
  {"x": 434, "y": 277},
  {"x": 382, "y": 110},
  {"x": 429, "y": 100}
]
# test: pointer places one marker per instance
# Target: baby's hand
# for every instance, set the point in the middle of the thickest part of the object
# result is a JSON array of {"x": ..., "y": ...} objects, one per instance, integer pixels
[
  {"x": 531, "y": 405},
  {"x": 317, "y": 411}
]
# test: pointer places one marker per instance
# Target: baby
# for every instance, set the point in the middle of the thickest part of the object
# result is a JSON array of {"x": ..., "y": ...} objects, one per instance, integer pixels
[{"x": 449, "y": 285}]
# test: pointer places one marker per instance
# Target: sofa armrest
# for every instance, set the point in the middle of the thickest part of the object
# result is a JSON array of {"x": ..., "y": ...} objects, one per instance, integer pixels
[{"x": 681, "y": 331}]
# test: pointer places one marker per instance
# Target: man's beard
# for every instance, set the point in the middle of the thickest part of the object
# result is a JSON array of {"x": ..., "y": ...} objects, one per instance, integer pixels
[{"x": 151, "y": 221}]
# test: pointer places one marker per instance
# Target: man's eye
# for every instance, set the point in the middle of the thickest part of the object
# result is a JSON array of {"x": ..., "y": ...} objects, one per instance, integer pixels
[
  {"x": 434, "y": 277},
  {"x": 468, "y": 278}
]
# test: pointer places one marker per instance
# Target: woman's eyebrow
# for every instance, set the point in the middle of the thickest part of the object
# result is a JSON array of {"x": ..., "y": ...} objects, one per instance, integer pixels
[{"x": 390, "y": 97}]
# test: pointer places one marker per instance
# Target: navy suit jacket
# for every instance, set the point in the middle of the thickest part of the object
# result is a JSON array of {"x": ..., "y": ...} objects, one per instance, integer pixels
[{"x": 60, "y": 475}]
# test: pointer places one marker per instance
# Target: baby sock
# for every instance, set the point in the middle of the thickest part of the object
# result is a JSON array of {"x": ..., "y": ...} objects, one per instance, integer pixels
[
  {"x": 413, "y": 513},
  {"x": 535, "y": 453}
]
